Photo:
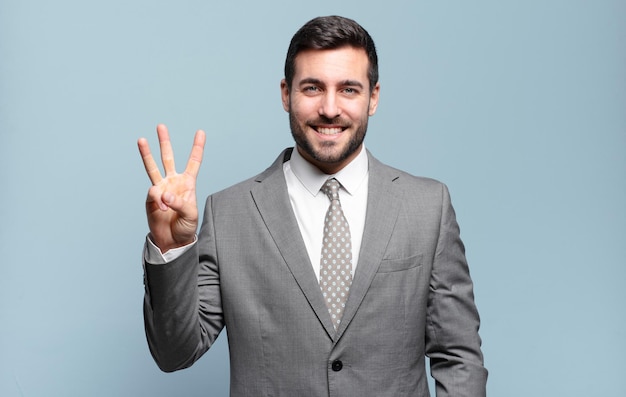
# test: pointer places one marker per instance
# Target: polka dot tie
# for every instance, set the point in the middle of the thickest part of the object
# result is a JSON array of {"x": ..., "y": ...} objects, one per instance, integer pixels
[{"x": 336, "y": 260}]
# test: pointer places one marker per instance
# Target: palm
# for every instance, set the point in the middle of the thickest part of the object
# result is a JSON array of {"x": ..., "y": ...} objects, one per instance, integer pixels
[{"x": 171, "y": 204}]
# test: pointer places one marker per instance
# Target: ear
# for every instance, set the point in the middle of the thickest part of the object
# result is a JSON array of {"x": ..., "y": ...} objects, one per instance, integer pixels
[
  {"x": 284, "y": 94},
  {"x": 374, "y": 99}
]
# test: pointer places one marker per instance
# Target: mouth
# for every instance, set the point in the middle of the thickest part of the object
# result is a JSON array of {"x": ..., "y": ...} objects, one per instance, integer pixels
[{"x": 328, "y": 130}]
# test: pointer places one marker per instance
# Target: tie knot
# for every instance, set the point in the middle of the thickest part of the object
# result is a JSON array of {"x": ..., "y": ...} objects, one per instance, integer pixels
[{"x": 331, "y": 189}]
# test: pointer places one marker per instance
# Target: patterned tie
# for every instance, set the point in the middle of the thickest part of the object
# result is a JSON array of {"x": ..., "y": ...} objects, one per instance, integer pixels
[{"x": 336, "y": 260}]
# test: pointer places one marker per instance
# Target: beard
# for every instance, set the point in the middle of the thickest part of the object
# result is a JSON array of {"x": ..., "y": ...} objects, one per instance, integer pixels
[{"x": 328, "y": 153}]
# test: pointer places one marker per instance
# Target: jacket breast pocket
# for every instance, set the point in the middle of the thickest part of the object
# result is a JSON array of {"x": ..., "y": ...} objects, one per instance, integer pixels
[{"x": 401, "y": 264}]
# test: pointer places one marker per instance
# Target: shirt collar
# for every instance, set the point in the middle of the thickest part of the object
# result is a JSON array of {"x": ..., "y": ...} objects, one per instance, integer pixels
[{"x": 350, "y": 177}]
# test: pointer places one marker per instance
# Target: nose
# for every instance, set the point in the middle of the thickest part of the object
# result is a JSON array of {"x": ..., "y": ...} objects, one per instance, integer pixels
[{"x": 329, "y": 105}]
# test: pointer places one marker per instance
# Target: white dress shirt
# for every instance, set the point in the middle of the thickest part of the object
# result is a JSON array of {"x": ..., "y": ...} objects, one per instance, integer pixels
[{"x": 309, "y": 204}]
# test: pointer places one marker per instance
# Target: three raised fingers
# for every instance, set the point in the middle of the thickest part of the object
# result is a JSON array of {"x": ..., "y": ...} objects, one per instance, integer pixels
[{"x": 167, "y": 155}]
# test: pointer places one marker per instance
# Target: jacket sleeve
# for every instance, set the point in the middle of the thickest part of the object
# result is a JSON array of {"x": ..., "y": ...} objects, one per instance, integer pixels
[
  {"x": 452, "y": 342},
  {"x": 182, "y": 304}
]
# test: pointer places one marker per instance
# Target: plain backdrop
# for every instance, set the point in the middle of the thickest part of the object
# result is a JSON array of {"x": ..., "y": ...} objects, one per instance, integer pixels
[{"x": 518, "y": 106}]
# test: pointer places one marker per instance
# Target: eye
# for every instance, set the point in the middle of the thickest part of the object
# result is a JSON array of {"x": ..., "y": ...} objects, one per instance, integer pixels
[
  {"x": 350, "y": 91},
  {"x": 310, "y": 89}
]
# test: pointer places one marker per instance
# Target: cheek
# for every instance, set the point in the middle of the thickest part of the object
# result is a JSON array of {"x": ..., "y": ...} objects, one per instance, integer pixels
[
  {"x": 303, "y": 110},
  {"x": 356, "y": 111}
]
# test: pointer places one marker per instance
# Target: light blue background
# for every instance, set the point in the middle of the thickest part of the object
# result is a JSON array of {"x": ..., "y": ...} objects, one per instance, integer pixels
[{"x": 518, "y": 106}]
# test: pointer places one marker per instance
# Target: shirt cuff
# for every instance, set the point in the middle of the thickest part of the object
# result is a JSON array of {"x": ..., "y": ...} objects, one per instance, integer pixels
[{"x": 153, "y": 255}]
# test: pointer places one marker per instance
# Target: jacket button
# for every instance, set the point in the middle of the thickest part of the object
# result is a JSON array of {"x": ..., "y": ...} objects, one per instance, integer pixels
[{"x": 337, "y": 365}]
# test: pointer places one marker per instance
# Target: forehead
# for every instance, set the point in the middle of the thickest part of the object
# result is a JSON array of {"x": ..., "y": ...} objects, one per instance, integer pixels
[{"x": 340, "y": 63}]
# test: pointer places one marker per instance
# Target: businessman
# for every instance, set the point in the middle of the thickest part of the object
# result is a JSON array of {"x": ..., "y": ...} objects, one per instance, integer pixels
[{"x": 335, "y": 274}]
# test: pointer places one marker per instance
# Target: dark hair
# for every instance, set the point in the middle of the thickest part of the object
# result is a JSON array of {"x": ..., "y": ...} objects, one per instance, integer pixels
[{"x": 327, "y": 33}]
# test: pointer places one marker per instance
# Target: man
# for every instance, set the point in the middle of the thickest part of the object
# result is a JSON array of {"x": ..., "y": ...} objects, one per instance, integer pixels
[{"x": 334, "y": 274}]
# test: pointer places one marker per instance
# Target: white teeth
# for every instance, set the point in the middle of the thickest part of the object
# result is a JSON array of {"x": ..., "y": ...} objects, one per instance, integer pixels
[{"x": 329, "y": 131}]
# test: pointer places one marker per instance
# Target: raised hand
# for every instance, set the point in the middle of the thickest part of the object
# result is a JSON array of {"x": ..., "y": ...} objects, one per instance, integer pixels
[{"x": 171, "y": 204}]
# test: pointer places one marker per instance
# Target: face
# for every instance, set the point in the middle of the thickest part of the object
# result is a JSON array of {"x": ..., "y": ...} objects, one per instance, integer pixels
[{"x": 329, "y": 104}]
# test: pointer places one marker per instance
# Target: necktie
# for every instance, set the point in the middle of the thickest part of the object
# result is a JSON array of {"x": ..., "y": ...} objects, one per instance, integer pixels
[{"x": 336, "y": 260}]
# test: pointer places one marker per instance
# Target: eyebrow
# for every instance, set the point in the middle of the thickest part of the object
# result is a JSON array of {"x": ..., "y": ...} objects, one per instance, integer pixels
[{"x": 343, "y": 83}]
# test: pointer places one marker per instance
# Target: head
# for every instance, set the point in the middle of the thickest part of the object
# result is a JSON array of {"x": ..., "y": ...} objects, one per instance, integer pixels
[
  {"x": 330, "y": 90},
  {"x": 329, "y": 33}
]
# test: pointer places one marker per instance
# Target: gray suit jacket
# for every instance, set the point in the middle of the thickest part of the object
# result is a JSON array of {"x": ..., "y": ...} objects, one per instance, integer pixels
[{"x": 411, "y": 296}]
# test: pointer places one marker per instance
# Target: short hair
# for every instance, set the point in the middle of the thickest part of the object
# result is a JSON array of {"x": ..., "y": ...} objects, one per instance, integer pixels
[{"x": 327, "y": 33}]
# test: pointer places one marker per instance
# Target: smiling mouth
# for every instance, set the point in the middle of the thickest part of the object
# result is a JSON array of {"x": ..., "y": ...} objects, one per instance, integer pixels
[{"x": 328, "y": 130}]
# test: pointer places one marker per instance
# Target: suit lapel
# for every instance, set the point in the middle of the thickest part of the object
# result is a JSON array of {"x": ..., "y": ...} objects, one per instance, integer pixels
[
  {"x": 272, "y": 200},
  {"x": 383, "y": 205}
]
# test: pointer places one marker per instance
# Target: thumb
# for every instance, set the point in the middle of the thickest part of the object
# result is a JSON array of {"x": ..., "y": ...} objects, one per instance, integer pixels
[
  {"x": 177, "y": 204},
  {"x": 171, "y": 200}
]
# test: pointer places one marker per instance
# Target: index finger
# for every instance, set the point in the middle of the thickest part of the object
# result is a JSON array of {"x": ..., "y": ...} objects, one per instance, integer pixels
[
  {"x": 148, "y": 161},
  {"x": 195, "y": 158}
]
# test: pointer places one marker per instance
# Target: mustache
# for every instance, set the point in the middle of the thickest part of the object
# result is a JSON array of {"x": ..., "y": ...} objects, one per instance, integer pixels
[{"x": 322, "y": 121}]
